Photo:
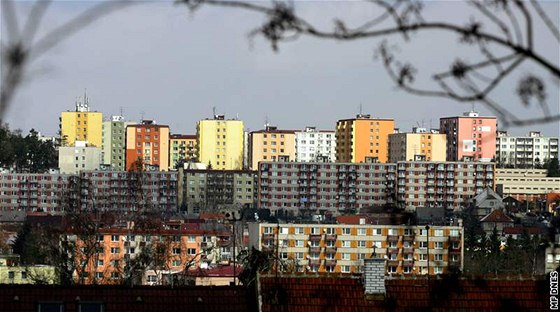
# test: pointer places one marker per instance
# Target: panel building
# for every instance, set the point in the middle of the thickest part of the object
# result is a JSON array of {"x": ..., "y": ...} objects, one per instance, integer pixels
[
  {"x": 80, "y": 156},
  {"x": 427, "y": 144},
  {"x": 301, "y": 188},
  {"x": 148, "y": 142},
  {"x": 220, "y": 142},
  {"x": 114, "y": 143},
  {"x": 182, "y": 148},
  {"x": 33, "y": 192},
  {"x": 470, "y": 137},
  {"x": 363, "y": 139},
  {"x": 81, "y": 124},
  {"x": 342, "y": 248},
  {"x": 214, "y": 190},
  {"x": 526, "y": 184},
  {"x": 528, "y": 151},
  {"x": 271, "y": 144},
  {"x": 314, "y": 145}
]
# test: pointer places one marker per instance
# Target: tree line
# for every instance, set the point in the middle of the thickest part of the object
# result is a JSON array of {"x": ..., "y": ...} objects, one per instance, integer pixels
[{"x": 26, "y": 153}]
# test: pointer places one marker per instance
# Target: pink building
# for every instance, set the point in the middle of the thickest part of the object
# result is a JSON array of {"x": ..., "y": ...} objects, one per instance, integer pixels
[{"x": 471, "y": 136}]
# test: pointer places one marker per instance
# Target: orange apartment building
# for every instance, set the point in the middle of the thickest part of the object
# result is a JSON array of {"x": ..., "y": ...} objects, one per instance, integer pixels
[
  {"x": 150, "y": 142},
  {"x": 342, "y": 247},
  {"x": 271, "y": 144},
  {"x": 103, "y": 258},
  {"x": 363, "y": 139}
]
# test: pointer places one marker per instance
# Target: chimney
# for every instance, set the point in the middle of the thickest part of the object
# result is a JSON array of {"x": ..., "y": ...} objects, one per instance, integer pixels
[{"x": 374, "y": 276}]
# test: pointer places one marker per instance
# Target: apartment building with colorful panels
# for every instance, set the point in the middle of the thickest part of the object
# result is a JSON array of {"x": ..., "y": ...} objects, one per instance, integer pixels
[
  {"x": 342, "y": 247},
  {"x": 103, "y": 258}
]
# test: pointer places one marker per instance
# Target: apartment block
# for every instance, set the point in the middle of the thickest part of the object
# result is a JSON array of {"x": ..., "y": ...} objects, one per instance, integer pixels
[
  {"x": 148, "y": 142},
  {"x": 73, "y": 159},
  {"x": 220, "y": 142},
  {"x": 526, "y": 184},
  {"x": 127, "y": 191},
  {"x": 314, "y": 145},
  {"x": 470, "y": 137},
  {"x": 320, "y": 187},
  {"x": 179, "y": 247},
  {"x": 88, "y": 190},
  {"x": 427, "y": 144},
  {"x": 342, "y": 248},
  {"x": 33, "y": 192},
  {"x": 213, "y": 190},
  {"x": 271, "y": 144},
  {"x": 441, "y": 184},
  {"x": 114, "y": 143},
  {"x": 528, "y": 151},
  {"x": 181, "y": 148},
  {"x": 363, "y": 139},
  {"x": 301, "y": 188},
  {"x": 81, "y": 124}
]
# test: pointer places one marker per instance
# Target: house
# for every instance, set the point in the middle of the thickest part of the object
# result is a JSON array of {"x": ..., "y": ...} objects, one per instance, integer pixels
[
  {"x": 496, "y": 219},
  {"x": 516, "y": 231},
  {"x": 11, "y": 272},
  {"x": 487, "y": 201},
  {"x": 511, "y": 204}
]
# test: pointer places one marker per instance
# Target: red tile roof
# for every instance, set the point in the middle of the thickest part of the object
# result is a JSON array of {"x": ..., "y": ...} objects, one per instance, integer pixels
[
  {"x": 305, "y": 293},
  {"x": 497, "y": 216},
  {"x": 513, "y": 230}
]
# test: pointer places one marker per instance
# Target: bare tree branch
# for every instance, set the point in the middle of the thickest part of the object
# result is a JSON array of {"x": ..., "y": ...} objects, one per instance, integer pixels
[{"x": 553, "y": 29}]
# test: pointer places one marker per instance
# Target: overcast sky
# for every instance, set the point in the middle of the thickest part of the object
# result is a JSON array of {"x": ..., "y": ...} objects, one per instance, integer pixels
[{"x": 158, "y": 61}]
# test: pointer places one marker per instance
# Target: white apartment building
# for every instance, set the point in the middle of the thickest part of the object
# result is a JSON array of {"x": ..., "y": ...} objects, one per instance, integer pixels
[
  {"x": 523, "y": 184},
  {"x": 524, "y": 151},
  {"x": 73, "y": 159},
  {"x": 315, "y": 145}
]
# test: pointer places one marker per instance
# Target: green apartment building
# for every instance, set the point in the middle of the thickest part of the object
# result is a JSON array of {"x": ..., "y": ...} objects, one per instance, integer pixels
[{"x": 114, "y": 143}]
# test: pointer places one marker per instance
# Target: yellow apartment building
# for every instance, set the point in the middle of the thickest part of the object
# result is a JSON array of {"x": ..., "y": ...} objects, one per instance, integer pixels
[
  {"x": 363, "y": 139},
  {"x": 429, "y": 144},
  {"x": 341, "y": 248},
  {"x": 271, "y": 144},
  {"x": 181, "y": 147},
  {"x": 220, "y": 143},
  {"x": 81, "y": 125}
]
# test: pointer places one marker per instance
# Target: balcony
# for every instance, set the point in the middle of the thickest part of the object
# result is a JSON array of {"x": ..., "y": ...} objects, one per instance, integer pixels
[
  {"x": 408, "y": 263},
  {"x": 315, "y": 237},
  {"x": 330, "y": 262},
  {"x": 314, "y": 249},
  {"x": 330, "y": 237},
  {"x": 268, "y": 236},
  {"x": 330, "y": 250},
  {"x": 408, "y": 250},
  {"x": 314, "y": 262}
]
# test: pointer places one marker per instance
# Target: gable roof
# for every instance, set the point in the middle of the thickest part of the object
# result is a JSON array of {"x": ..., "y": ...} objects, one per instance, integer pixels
[
  {"x": 487, "y": 193},
  {"x": 497, "y": 216}
]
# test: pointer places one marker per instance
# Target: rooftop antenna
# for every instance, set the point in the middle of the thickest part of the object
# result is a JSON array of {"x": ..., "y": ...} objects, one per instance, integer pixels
[
  {"x": 141, "y": 116},
  {"x": 121, "y": 111},
  {"x": 265, "y": 121},
  {"x": 360, "y": 109},
  {"x": 214, "y": 111},
  {"x": 472, "y": 110}
]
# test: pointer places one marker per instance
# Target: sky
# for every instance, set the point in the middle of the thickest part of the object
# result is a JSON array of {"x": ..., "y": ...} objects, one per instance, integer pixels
[{"x": 156, "y": 60}]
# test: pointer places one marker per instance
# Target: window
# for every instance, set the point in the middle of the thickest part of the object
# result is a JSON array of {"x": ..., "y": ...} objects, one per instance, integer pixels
[
  {"x": 345, "y": 269},
  {"x": 192, "y": 238},
  {"x": 176, "y": 251},
  {"x": 91, "y": 307},
  {"x": 299, "y": 255},
  {"x": 376, "y": 231},
  {"x": 191, "y": 251},
  {"x": 361, "y": 231},
  {"x": 438, "y": 270},
  {"x": 346, "y": 231},
  {"x": 299, "y": 243},
  {"x": 50, "y": 307},
  {"x": 98, "y": 275},
  {"x": 114, "y": 275},
  {"x": 423, "y": 244},
  {"x": 438, "y": 245},
  {"x": 361, "y": 243},
  {"x": 114, "y": 238},
  {"x": 438, "y": 232},
  {"x": 115, "y": 250},
  {"x": 438, "y": 257},
  {"x": 422, "y": 257},
  {"x": 23, "y": 275},
  {"x": 99, "y": 262},
  {"x": 176, "y": 262},
  {"x": 346, "y": 244},
  {"x": 392, "y": 269},
  {"x": 284, "y": 230},
  {"x": 454, "y": 233}
]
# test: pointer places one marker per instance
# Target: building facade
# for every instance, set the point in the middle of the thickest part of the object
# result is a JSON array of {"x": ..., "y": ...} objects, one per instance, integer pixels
[
  {"x": 320, "y": 187},
  {"x": 342, "y": 248},
  {"x": 179, "y": 248},
  {"x": 470, "y": 137},
  {"x": 336, "y": 188},
  {"x": 526, "y": 184},
  {"x": 441, "y": 184},
  {"x": 81, "y": 124},
  {"x": 271, "y": 144},
  {"x": 314, "y": 145},
  {"x": 181, "y": 148},
  {"x": 213, "y": 190},
  {"x": 220, "y": 142},
  {"x": 148, "y": 142},
  {"x": 32, "y": 192},
  {"x": 529, "y": 151},
  {"x": 429, "y": 144},
  {"x": 114, "y": 143},
  {"x": 80, "y": 156},
  {"x": 363, "y": 139}
]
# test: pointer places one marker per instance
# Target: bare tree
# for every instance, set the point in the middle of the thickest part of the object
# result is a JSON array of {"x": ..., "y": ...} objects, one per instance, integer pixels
[
  {"x": 20, "y": 45},
  {"x": 507, "y": 42}
]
